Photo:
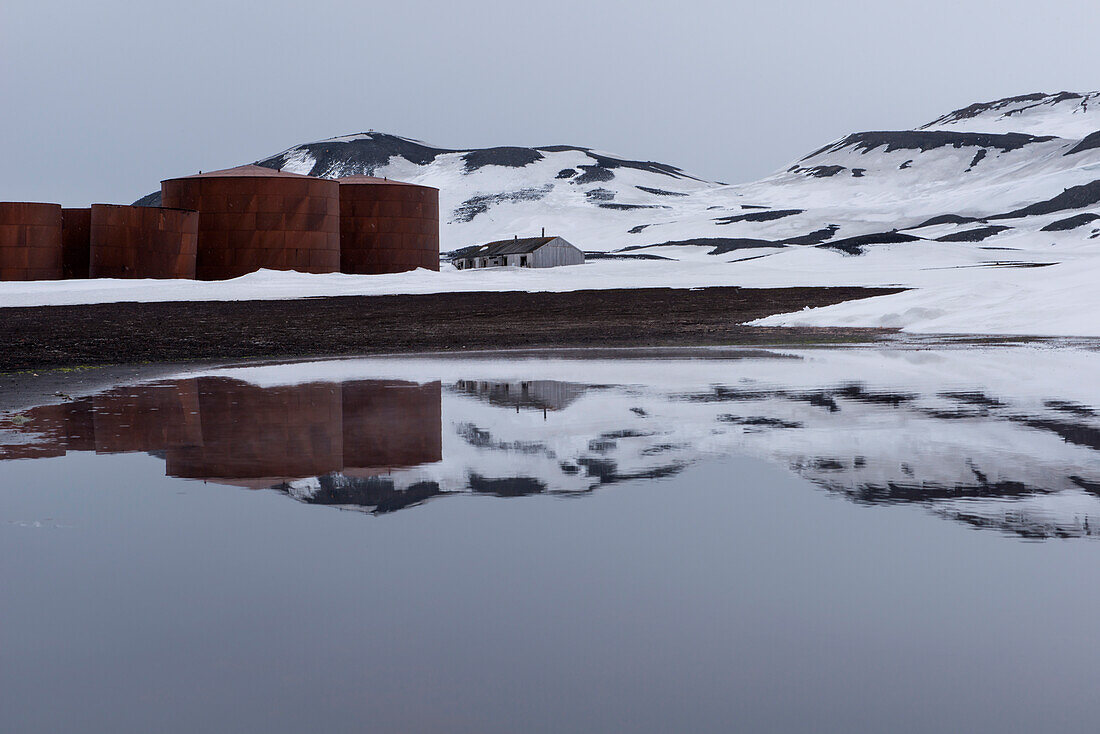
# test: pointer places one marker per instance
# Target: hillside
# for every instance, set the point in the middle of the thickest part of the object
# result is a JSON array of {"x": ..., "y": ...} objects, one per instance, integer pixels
[
  {"x": 988, "y": 172},
  {"x": 981, "y": 209}
]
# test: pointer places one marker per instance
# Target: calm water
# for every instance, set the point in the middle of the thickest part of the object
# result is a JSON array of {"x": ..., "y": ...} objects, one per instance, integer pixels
[{"x": 831, "y": 541}]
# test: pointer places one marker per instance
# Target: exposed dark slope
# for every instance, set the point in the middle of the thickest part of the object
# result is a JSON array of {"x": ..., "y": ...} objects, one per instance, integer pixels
[
  {"x": 981, "y": 108},
  {"x": 1075, "y": 197},
  {"x": 923, "y": 141},
  {"x": 372, "y": 151},
  {"x": 973, "y": 235},
  {"x": 1087, "y": 143},
  {"x": 1064, "y": 225}
]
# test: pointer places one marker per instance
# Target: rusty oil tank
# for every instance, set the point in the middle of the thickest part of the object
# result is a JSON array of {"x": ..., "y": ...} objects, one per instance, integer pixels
[
  {"x": 387, "y": 226},
  {"x": 142, "y": 242},
  {"x": 251, "y": 217},
  {"x": 30, "y": 241},
  {"x": 76, "y": 232}
]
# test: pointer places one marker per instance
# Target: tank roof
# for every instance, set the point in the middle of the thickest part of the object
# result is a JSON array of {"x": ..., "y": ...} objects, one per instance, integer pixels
[
  {"x": 138, "y": 206},
  {"x": 247, "y": 171},
  {"x": 375, "y": 180}
]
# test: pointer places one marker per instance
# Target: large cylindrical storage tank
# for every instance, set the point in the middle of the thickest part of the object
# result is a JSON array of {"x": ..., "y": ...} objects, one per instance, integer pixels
[
  {"x": 253, "y": 217},
  {"x": 76, "y": 232},
  {"x": 30, "y": 241},
  {"x": 143, "y": 242},
  {"x": 387, "y": 226}
]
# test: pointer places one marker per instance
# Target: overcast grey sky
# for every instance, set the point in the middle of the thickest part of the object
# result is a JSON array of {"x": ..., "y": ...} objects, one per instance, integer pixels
[{"x": 101, "y": 100}]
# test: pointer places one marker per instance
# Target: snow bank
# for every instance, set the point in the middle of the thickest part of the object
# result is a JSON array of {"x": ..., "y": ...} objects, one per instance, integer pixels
[
  {"x": 958, "y": 288},
  {"x": 1060, "y": 300}
]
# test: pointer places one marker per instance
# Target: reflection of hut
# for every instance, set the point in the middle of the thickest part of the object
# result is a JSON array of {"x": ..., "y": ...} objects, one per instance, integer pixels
[
  {"x": 30, "y": 241},
  {"x": 76, "y": 233},
  {"x": 537, "y": 394},
  {"x": 251, "y": 217},
  {"x": 387, "y": 226},
  {"x": 142, "y": 242}
]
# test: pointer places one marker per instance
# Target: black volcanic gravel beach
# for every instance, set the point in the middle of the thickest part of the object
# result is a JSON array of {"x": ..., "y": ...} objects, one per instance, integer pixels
[{"x": 128, "y": 333}]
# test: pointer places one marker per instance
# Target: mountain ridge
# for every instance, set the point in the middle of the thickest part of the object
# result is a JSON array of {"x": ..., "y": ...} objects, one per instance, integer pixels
[{"x": 967, "y": 164}]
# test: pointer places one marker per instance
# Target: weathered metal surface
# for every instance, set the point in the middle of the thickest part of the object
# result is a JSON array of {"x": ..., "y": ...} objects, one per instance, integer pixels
[
  {"x": 253, "y": 217},
  {"x": 387, "y": 226},
  {"x": 390, "y": 424},
  {"x": 142, "y": 242},
  {"x": 30, "y": 241},
  {"x": 531, "y": 252},
  {"x": 556, "y": 252},
  {"x": 231, "y": 431},
  {"x": 76, "y": 232}
]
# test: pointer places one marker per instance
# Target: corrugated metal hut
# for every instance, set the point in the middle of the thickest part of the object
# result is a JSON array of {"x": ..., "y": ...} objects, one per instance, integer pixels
[{"x": 527, "y": 252}]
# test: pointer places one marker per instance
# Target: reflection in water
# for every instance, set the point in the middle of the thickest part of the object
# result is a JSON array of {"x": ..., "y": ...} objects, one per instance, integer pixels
[
  {"x": 234, "y": 432},
  {"x": 983, "y": 451}
]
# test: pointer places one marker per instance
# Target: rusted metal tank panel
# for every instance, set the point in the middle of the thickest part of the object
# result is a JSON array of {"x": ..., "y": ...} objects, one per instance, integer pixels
[
  {"x": 30, "y": 241},
  {"x": 390, "y": 424},
  {"x": 253, "y": 217},
  {"x": 142, "y": 242},
  {"x": 76, "y": 232},
  {"x": 260, "y": 436},
  {"x": 387, "y": 226},
  {"x": 147, "y": 418}
]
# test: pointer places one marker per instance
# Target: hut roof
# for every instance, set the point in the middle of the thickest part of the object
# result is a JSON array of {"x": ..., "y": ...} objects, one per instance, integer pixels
[{"x": 518, "y": 246}]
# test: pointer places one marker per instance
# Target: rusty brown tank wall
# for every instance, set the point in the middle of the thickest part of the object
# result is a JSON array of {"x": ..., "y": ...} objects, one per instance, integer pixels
[
  {"x": 142, "y": 242},
  {"x": 239, "y": 433},
  {"x": 30, "y": 241},
  {"x": 391, "y": 424},
  {"x": 263, "y": 434},
  {"x": 147, "y": 418},
  {"x": 49, "y": 430},
  {"x": 250, "y": 223},
  {"x": 388, "y": 228},
  {"x": 76, "y": 226}
]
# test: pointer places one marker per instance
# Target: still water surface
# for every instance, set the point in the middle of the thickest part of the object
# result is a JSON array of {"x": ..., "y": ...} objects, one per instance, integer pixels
[{"x": 850, "y": 540}]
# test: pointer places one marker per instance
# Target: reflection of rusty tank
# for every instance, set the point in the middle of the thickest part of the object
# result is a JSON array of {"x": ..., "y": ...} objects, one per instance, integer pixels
[
  {"x": 76, "y": 232},
  {"x": 259, "y": 436},
  {"x": 237, "y": 433},
  {"x": 391, "y": 424},
  {"x": 253, "y": 217},
  {"x": 142, "y": 242},
  {"x": 30, "y": 241},
  {"x": 387, "y": 226}
]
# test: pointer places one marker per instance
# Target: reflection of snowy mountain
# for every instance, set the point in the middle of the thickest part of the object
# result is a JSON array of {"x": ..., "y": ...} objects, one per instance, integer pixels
[
  {"x": 1006, "y": 438},
  {"x": 998, "y": 437}
]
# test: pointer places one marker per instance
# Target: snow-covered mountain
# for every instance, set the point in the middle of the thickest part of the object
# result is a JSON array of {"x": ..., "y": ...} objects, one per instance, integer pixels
[
  {"x": 991, "y": 173},
  {"x": 991, "y": 213},
  {"x": 1066, "y": 114}
]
